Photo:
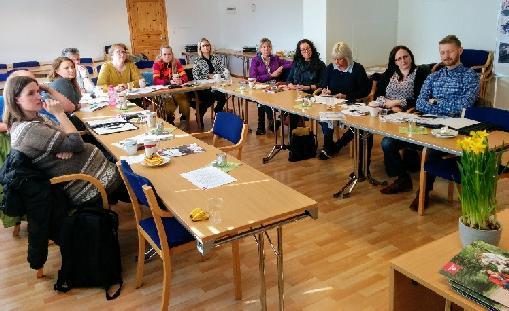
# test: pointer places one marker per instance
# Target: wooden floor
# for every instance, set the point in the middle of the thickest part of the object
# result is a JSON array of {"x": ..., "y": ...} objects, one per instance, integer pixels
[{"x": 338, "y": 262}]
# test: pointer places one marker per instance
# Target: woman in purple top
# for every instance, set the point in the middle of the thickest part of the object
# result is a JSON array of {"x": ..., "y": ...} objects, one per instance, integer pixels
[{"x": 266, "y": 67}]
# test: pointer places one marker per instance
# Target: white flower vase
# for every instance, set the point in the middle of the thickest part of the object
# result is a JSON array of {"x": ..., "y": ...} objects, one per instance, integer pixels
[{"x": 469, "y": 235}]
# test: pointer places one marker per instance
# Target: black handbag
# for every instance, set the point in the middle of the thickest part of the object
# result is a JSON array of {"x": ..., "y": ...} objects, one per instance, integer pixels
[{"x": 303, "y": 145}]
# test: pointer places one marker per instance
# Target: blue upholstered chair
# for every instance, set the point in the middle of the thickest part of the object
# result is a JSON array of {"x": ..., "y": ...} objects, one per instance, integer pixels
[
  {"x": 148, "y": 76},
  {"x": 86, "y": 60},
  {"x": 90, "y": 70},
  {"x": 230, "y": 127},
  {"x": 144, "y": 64},
  {"x": 4, "y": 76},
  {"x": 447, "y": 168},
  {"x": 162, "y": 231},
  {"x": 1, "y": 107},
  {"x": 32, "y": 63},
  {"x": 98, "y": 68},
  {"x": 3, "y": 66}
]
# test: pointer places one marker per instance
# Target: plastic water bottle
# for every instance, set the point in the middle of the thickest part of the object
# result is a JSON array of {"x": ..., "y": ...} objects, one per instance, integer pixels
[
  {"x": 112, "y": 96},
  {"x": 227, "y": 76}
]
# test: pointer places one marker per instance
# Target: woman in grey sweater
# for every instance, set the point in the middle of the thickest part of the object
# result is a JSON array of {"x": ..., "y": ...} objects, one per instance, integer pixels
[{"x": 56, "y": 149}]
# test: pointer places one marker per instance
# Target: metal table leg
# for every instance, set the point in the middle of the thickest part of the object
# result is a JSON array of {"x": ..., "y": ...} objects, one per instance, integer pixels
[
  {"x": 365, "y": 170},
  {"x": 261, "y": 266},
  {"x": 277, "y": 147},
  {"x": 280, "y": 279},
  {"x": 345, "y": 191}
]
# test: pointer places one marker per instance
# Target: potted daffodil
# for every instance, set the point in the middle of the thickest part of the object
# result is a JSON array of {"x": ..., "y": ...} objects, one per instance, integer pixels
[{"x": 479, "y": 169}]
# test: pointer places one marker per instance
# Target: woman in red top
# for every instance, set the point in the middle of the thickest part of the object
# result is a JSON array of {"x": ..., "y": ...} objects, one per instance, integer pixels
[{"x": 168, "y": 70}]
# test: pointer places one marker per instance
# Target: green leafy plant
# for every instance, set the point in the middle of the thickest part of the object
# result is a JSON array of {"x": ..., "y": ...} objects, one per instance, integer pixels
[{"x": 479, "y": 169}]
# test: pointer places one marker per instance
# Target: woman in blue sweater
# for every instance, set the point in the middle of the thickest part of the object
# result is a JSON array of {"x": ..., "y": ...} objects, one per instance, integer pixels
[{"x": 344, "y": 79}]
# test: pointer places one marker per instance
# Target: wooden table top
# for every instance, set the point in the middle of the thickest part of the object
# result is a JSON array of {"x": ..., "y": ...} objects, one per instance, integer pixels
[
  {"x": 423, "y": 264},
  {"x": 254, "y": 199},
  {"x": 285, "y": 100}
]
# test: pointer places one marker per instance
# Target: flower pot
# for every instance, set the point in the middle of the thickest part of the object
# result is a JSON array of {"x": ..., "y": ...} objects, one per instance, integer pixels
[{"x": 469, "y": 235}]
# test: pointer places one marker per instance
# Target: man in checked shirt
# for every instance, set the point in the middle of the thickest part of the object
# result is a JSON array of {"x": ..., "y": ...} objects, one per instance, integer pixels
[{"x": 445, "y": 92}]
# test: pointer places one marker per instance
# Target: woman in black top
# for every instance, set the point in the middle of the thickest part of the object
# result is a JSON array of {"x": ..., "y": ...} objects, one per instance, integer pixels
[{"x": 306, "y": 73}]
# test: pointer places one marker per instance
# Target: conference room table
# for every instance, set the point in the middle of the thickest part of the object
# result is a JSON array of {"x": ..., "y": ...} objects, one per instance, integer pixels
[
  {"x": 286, "y": 101},
  {"x": 252, "y": 205}
]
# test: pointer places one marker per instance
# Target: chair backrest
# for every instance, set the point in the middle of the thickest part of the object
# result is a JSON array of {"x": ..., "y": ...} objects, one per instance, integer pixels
[
  {"x": 86, "y": 60},
  {"x": 494, "y": 116},
  {"x": 149, "y": 77},
  {"x": 94, "y": 80},
  {"x": 98, "y": 68},
  {"x": 135, "y": 182},
  {"x": 90, "y": 70},
  {"x": 144, "y": 64},
  {"x": 1, "y": 108},
  {"x": 32, "y": 63},
  {"x": 183, "y": 61},
  {"x": 228, "y": 126},
  {"x": 471, "y": 57},
  {"x": 4, "y": 76},
  {"x": 3, "y": 66}
]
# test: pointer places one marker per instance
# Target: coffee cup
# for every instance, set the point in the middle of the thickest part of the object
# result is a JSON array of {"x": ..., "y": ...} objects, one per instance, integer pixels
[
  {"x": 217, "y": 77},
  {"x": 131, "y": 146},
  {"x": 373, "y": 111},
  {"x": 150, "y": 147},
  {"x": 251, "y": 82},
  {"x": 142, "y": 83}
]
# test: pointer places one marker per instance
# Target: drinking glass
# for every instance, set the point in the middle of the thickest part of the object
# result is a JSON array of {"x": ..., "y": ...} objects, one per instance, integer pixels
[
  {"x": 411, "y": 127},
  {"x": 214, "y": 206},
  {"x": 383, "y": 114}
]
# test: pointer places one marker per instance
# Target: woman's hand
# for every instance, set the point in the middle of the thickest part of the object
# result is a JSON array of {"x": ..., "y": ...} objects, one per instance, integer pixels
[
  {"x": 326, "y": 91},
  {"x": 390, "y": 103},
  {"x": 120, "y": 87},
  {"x": 340, "y": 96},
  {"x": 177, "y": 81},
  {"x": 277, "y": 72},
  {"x": 64, "y": 155},
  {"x": 54, "y": 107}
]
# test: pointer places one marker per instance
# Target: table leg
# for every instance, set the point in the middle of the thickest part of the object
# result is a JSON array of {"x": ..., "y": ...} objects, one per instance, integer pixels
[
  {"x": 280, "y": 279},
  {"x": 354, "y": 177},
  {"x": 365, "y": 170},
  {"x": 261, "y": 266},
  {"x": 277, "y": 147}
]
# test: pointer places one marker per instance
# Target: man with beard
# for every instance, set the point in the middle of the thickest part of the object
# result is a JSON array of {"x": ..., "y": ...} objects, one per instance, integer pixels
[{"x": 445, "y": 92}]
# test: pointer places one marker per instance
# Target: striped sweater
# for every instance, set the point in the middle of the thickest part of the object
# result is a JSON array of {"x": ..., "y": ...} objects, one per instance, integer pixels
[{"x": 42, "y": 140}]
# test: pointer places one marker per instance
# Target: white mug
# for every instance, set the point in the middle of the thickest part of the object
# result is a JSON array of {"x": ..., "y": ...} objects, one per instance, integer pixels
[
  {"x": 131, "y": 146},
  {"x": 217, "y": 76},
  {"x": 373, "y": 111},
  {"x": 251, "y": 82}
]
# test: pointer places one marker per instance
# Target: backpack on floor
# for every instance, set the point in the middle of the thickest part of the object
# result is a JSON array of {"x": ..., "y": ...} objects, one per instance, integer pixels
[
  {"x": 90, "y": 251},
  {"x": 303, "y": 145}
]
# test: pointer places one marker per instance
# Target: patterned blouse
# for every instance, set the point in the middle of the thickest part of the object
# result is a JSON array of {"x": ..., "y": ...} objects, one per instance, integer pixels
[
  {"x": 201, "y": 68},
  {"x": 401, "y": 90}
]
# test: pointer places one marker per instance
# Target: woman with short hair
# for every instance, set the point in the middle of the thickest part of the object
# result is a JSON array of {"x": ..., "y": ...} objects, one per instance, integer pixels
[{"x": 265, "y": 67}]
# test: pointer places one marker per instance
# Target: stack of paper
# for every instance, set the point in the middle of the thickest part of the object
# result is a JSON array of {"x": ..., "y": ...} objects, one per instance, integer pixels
[{"x": 208, "y": 177}]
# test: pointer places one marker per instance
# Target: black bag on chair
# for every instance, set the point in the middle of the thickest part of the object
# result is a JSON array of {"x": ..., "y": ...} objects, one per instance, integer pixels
[
  {"x": 90, "y": 251},
  {"x": 303, "y": 145}
]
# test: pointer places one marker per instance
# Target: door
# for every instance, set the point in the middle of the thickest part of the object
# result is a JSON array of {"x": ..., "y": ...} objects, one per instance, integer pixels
[{"x": 147, "y": 26}]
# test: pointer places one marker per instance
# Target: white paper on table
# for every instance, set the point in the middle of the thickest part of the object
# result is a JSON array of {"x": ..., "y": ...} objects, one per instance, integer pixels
[
  {"x": 400, "y": 117},
  {"x": 141, "y": 138},
  {"x": 97, "y": 122},
  {"x": 124, "y": 127},
  {"x": 331, "y": 116},
  {"x": 208, "y": 177},
  {"x": 133, "y": 159},
  {"x": 93, "y": 106},
  {"x": 458, "y": 123},
  {"x": 260, "y": 86},
  {"x": 207, "y": 81},
  {"x": 329, "y": 100},
  {"x": 356, "y": 110}
]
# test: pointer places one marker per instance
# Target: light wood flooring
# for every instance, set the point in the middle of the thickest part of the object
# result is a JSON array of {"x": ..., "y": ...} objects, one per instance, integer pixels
[{"x": 338, "y": 262}]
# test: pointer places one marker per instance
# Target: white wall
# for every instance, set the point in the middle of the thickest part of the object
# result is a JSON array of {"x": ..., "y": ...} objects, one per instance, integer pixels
[
  {"x": 314, "y": 24},
  {"x": 422, "y": 23},
  {"x": 39, "y": 30},
  {"x": 367, "y": 26}
]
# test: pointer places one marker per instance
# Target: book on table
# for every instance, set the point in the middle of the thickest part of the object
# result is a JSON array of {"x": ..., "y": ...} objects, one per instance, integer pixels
[{"x": 480, "y": 272}]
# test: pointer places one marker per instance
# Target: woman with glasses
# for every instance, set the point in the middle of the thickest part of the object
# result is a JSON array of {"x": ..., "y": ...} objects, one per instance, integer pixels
[
  {"x": 307, "y": 70},
  {"x": 205, "y": 66},
  {"x": 264, "y": 68},
  {"x": 120, "y": 70}
]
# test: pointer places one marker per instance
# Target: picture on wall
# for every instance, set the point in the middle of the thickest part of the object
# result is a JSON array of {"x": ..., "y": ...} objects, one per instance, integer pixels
[{"x": 502, "y": 48}]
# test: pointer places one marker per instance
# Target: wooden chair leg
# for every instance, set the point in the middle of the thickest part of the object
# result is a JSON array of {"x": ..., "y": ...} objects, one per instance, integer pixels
[
  {"x": 166, "y": 283},
  {"x": 236, "y": 270},
  {"x": 450, "y": 191},
  {"x": 40, "y": 273},
  {"x": 141, "y": 260},
  {"x": 422, "y": 182},
  {"x": 15, "y": 231}
]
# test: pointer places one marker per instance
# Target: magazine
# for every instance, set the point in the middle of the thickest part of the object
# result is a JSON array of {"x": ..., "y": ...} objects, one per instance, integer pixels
[
  {"x": 182, "y": 150},
  {"x": 483, "y": 270}
]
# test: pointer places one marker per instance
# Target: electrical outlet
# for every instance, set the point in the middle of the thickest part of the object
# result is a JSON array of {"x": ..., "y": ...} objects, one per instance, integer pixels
[{"x": 231, "y": 10}]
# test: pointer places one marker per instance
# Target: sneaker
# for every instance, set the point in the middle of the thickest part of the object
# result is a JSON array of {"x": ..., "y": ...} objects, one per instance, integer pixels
[
  {"x": 323, "y": 155},
  {"x": 399, "y": 185},
  {"x": 260, "y": 131},
  {"x": 414, "y": 206}
]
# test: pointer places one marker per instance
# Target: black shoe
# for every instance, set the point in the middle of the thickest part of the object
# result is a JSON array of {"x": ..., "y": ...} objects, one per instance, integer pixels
[
  {"x": 260, "y": 131},
  {"x": 323, "y": 155},
  {"x": 414, "y": 206},
  {"x": 401, "y": 184}
]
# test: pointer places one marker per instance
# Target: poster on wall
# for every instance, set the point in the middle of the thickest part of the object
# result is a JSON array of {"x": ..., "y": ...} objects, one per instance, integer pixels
[{"x": 502, "y": 49}]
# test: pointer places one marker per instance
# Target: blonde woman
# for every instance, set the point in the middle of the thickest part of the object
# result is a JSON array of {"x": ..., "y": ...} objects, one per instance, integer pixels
[
  {"x": 344, "y": 79},
  {"x": 168, "y": 70},
  {"x": 120, "y": 70},
  {"x": 206, "y": 65}
]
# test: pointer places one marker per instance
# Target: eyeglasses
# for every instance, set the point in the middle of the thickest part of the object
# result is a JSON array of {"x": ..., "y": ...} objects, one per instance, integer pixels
[
  {"x": 306, "y": 50},
  {"x": 205, "y": 45},
  {"x": 401, "y": 58}
]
